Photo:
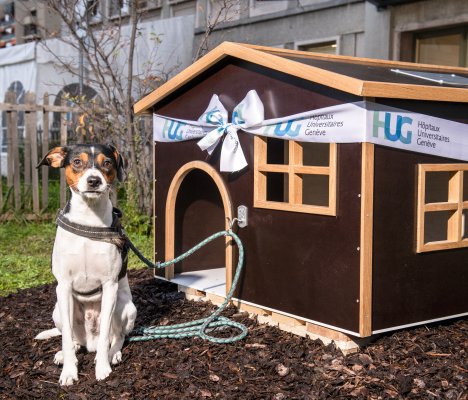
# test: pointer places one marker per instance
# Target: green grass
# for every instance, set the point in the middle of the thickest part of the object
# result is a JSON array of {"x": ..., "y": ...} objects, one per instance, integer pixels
[{"x": 25, "y": 250}]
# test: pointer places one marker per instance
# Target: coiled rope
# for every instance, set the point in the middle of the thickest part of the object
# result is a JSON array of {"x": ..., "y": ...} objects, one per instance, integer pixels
[{"x": 200, "y": 327}]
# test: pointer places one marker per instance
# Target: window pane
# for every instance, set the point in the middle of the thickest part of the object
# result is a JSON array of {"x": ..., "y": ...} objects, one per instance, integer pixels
[
  {"x": 435, "y": 226},
  {"x": 315, "y": 190},
  {"x": 277, "y": 151},
  {"x": 440, "y": 50},
  {"x": 316, "y": 154},
  {"x": 326, "y": 48},
  {"x": 277, "y": 187},
  {"x": 437, "y": 186}
]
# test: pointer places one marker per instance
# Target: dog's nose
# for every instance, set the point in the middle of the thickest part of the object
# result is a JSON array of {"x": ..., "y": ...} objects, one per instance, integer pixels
[{"x": 94, "y": 181}]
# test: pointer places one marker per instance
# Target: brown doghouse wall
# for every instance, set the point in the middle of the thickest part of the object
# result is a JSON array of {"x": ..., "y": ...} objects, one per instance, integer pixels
[
  {"x": 303, "y": 264},
  {"x": 409, "y": 287}
]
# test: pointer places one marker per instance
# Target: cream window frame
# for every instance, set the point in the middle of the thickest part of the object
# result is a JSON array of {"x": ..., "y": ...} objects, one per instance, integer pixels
[
  {"x": 454, "y": 204},
  {"x": 295, "y": 169}
]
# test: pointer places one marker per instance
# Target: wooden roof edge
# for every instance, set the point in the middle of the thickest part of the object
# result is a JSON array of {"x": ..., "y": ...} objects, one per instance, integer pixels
[
  {"x": 414, "y": 92},
  {"x": 358, "y": 60},
  {"x": 181, "y": 78}
]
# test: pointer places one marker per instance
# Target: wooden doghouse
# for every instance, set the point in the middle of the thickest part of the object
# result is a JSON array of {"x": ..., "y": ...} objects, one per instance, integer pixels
[{"x": 357, "y": 238}]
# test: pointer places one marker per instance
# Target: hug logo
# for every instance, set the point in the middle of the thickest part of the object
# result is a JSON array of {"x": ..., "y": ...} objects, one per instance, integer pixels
[{"x": 404, "y": 135}]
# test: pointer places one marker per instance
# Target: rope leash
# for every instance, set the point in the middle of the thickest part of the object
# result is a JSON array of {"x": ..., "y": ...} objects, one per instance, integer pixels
[{"x": 200, "y": 327}]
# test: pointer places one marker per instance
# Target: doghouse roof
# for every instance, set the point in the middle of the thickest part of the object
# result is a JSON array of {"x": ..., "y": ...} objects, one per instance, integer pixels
[{"x": 357, "y": 76}]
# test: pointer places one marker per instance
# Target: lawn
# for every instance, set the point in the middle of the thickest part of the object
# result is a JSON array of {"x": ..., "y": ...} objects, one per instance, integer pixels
[{"x": 25, "y": 250}]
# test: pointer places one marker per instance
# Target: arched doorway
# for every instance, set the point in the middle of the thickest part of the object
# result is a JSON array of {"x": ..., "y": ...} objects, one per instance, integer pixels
[{"x": 198, "y": 204}]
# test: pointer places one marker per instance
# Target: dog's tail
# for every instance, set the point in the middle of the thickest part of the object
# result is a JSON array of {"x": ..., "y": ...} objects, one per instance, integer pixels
[{"x": 50, "y": 333}]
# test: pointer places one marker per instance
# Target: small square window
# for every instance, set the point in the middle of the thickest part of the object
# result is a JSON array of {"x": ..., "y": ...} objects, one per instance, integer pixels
[
  {"x": 442, "y": 208},
  {"x": 295, "y": 176}
]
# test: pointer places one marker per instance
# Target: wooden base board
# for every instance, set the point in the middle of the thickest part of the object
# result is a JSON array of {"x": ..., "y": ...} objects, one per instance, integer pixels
[{"x": 347, "y": 344}]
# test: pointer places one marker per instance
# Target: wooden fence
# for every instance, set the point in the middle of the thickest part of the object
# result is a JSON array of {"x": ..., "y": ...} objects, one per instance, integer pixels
[{"x": 31, "y": 142}]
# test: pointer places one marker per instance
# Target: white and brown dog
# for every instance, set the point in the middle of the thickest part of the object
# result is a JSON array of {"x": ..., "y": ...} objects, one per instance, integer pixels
[{"x": 94, "y": 305}]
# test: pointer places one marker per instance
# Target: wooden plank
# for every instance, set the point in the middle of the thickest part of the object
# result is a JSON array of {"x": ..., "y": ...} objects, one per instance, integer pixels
[
  {"x": 18, "y": 107},
  {"x": 45, "y": 149},
  {"x": 440, "y": 207},
  {"x": 32, "y": 126},
  {"x": 63, "y": 142},
  {"x": 444, "y": 167},
  {"x": 333, "y": 180},
  {"x": 274, "y": 205},
  {"x": 259, "y": 159},
  {"x": 14, "y": 154},
  {"x": 367, "y": 213},
  {"x": 38, "y": 108},
  {"x": 287, "y": 320},
  {"x": 11, "y": 122},
  {"x": 443, "y": 245},
  {"x": 413, "y": 92},
  {"x": 327, "y": 332},
  {"x": 27, "y": 149},
  {"x": 455, "y": 222},
  {"x": 295, "y": 180},
  {"x": 420, "y": 208}
]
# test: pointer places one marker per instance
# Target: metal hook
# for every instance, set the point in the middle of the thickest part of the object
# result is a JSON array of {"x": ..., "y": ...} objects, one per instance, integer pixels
[{"x": 231, "y": 222}]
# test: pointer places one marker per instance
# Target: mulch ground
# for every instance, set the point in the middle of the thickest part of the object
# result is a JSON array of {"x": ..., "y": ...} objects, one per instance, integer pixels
[{"x": 423, "y": 363}]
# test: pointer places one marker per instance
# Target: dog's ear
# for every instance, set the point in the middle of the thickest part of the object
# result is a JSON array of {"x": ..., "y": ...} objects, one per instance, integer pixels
[
  {"x": 54, "y": 158},
  {"x": 121, "y": 164}
]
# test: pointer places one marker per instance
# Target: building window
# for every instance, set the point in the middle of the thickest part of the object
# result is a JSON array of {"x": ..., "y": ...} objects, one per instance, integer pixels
[
  {"x": 442, "y": 207},
  {"x": 328, "y": 47},
  {"x": 118, "y": 8},
  {"x": 442, "y": 47},
  {"x": 295, "y": 176}
]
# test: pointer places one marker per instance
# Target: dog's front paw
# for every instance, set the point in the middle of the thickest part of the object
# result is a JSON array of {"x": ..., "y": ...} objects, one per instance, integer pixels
[
  {"x": 69, "y": 375},
  {"x": 103, "y": 370}
]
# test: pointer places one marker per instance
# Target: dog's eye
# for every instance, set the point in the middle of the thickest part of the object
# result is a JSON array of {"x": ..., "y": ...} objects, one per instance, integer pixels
[
  {"x": 77, "y": 162},
  {"x": 107, "y": 164}
]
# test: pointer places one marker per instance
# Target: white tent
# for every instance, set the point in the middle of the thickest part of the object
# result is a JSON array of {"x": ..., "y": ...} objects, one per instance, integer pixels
[{"x": 165, "y": 44}]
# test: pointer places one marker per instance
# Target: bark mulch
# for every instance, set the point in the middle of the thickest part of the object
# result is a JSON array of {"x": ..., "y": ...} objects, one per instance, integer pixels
[{"x": 423, "y": 363}]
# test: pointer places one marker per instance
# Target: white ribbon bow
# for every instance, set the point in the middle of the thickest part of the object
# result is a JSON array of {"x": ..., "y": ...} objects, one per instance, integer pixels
[{"x": 248, "y": 113}]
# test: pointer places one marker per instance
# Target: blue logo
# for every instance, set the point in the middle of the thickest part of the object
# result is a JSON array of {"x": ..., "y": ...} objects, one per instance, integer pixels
[
  {"x": 400, "y": 133},
  {"x": 237, "y": 118},
  {"x": 172, "y": 130},
  {"x": 284, "y": 129}
]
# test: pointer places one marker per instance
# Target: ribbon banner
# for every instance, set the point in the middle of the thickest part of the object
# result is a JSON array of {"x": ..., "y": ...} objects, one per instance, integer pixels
[{"x": 346, "y": 123}]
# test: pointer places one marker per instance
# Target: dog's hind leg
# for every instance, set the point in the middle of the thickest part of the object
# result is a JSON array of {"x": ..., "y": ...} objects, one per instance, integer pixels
[
  {"x": 50, "y": 333},
  {"x": 115, "y": 354},
  {"x": 122, "y": 322}
]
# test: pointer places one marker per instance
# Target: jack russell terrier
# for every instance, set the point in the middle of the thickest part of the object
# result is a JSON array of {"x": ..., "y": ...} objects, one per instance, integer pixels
[{"x": 94, "y": 305}]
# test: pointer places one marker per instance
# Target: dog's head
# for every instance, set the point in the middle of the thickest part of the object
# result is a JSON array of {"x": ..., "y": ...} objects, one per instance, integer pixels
[{"x": 90, "y": 169}]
